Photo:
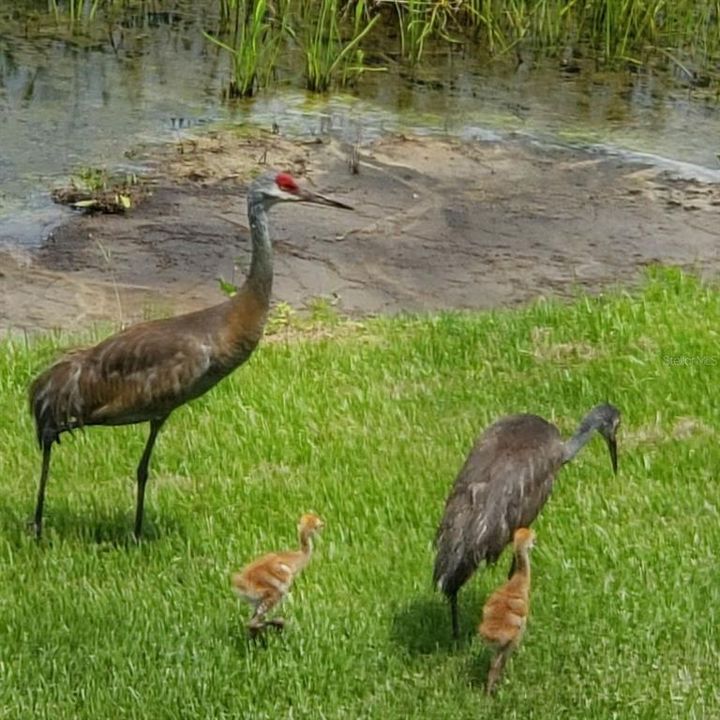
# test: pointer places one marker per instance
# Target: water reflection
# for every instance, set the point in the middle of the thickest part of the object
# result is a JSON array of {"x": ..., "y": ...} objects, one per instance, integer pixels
[{"x": 147, "y": 74}]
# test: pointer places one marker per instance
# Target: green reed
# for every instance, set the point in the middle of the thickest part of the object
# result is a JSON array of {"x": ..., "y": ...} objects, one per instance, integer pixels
[
  {"x": 332, "y": 34},
  {"x": 253, "y": 45},
  {"x": 88, "y": 17},
  {"x": 420, "y": 20},
  {"x": 75, "y": 11},
  {"x": 328, "y": 55},
  {"x": 612, "y": 31}
]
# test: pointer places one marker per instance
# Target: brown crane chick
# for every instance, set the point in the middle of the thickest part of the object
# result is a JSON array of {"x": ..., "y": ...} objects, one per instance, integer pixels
[
  {"x": 505, "y": 613},
  {"x": 266, "y": 581}
]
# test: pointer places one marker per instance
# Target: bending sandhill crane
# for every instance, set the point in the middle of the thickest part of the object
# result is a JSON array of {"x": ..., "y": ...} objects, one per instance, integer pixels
[
  {"x": 266, "y": 581},
  {"x": 503, "y": 485},
  {"x": 146, "y": 371},
  {"x": 505, "y": 613}
]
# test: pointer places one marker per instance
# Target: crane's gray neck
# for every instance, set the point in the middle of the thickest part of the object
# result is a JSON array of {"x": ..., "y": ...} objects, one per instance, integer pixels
[
  {"x": 578, "y": 441},
  {"x": 260, "y": 276}
]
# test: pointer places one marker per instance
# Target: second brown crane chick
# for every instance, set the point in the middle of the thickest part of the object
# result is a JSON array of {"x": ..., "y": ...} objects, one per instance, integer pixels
[
  {"x": 505, "y": 613},
  {"x": 266, "y": 581}
]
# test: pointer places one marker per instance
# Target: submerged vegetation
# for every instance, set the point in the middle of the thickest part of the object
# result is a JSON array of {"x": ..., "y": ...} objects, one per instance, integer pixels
[
  {"x": 367, "y": 423},
  {"x": 335, "y": 38},
  {"x": 95, "y": 190}
]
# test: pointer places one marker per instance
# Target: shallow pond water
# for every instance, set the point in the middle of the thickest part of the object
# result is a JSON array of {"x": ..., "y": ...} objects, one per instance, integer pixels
[{"x": 73, "y": 100}]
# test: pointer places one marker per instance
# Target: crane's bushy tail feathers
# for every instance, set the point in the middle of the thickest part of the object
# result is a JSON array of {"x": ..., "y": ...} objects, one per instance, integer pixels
[
  {"x": 55, "y": 402},
  {"x": 451, "y": 570}
]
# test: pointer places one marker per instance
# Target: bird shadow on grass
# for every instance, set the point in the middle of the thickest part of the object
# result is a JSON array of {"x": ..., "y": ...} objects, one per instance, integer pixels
[
  {"x": 477, "y": 668},
  {"x": 423, "y": 626},
  {"x": 246, "y": 644},
  {"x": 111, "y": 529}
]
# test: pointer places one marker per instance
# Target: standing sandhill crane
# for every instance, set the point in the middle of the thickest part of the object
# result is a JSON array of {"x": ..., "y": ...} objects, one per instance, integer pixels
[
  {"x": 503, "y": 485},
  {"x": 146, "y": 371},
  {"x": 266, "y": 581},
  {"x": 506, "y": 610}
]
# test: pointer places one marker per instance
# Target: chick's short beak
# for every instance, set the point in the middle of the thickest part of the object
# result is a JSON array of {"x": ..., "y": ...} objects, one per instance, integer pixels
[{"x": 318, "y": 199}]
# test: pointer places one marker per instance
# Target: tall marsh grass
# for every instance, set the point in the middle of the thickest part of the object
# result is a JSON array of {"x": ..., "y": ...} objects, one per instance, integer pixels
[
  {"x": 419, "y": 20},
  {"x": 75, "y": 12},
  {"x": 335, "y": 37},
  {"x": 253, "y": 45},
  {"x": 328, "y": 56},
  {"x": 613, "y": 29}
]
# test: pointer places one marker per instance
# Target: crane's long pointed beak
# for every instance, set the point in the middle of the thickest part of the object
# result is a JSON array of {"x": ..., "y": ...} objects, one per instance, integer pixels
[
  {"x": 612, "y": 446},
  {"x": 318, "y": 199}
]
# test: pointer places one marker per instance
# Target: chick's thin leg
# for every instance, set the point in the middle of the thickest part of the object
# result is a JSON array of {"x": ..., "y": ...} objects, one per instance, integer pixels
[
  {"x": 497, "y": 666},
  {"x": 257, "y": 621}
]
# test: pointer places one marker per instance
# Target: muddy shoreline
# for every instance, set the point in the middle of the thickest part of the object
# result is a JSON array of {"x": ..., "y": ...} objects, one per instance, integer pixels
[{"x": 438, "y": 224}]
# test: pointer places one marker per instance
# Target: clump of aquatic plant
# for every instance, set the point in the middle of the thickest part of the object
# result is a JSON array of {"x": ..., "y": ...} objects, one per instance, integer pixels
[
  {"x": 625, "y": 30},
  {"x": 253, "y": 44},
  {"x": 95, "y": 190},
  {"x": 420, "y": 20},
  {"x": 75, "y": 11},
  {"x": 78, "y": 14},
  {"x": 613, "y": 30},
  {"x": 91, "y": 179},
  {"x": 89, "y": 17},
  {"x": 226, "y": 10},
  {"x": 622, "y": 27},
  {"x": 328, "y": 55}
]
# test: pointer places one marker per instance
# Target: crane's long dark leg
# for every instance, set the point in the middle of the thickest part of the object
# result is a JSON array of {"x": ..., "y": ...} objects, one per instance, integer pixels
[
  {"x": 142, "y": 473},
  {"x": 37, "y": 521},
  {"x": 454, "y": 615}
]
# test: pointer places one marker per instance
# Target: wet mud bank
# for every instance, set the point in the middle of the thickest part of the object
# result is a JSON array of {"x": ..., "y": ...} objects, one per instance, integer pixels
[{"x": 438, "y": 224}]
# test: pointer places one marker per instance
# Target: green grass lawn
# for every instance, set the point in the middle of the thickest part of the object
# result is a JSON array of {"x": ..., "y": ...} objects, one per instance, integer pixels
[{"x": 367, "y": 424}]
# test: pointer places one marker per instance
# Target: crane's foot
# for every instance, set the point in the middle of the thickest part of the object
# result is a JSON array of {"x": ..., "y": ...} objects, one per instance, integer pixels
[
  {"x": 35, "y": 527},
  {"x": 492, "y": 678},
  {"x": 256, "y": 627},
  {"x": 454, "y": 617},
  {"x": 138, "y": 530}
]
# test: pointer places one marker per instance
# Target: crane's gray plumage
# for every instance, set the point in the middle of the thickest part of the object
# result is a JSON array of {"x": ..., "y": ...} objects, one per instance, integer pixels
[
  {"x": 148, "y": 370},
  {"x": 503, "y": 485}
]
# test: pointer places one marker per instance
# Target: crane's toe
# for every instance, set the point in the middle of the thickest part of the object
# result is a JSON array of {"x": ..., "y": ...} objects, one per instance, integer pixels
[{"x": 34, "y": 527}]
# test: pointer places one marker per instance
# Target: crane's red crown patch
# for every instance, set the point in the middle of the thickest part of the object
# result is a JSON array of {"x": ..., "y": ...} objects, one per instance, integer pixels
[{"x": 286, "y": 182}]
